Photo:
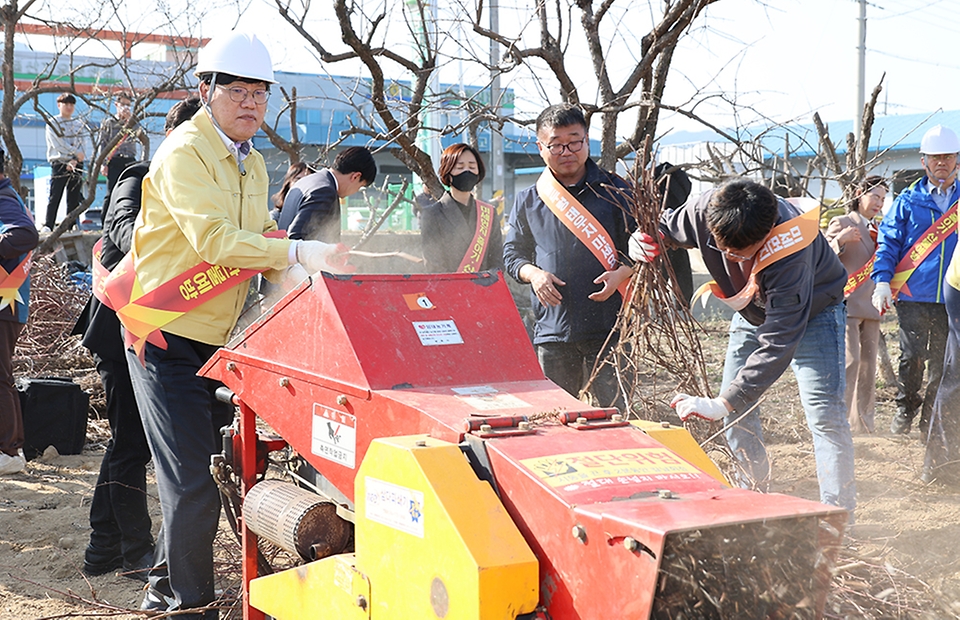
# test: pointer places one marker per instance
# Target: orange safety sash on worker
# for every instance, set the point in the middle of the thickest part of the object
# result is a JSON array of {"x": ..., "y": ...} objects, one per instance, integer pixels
[
  {"x": 481, "y": 239},
  {"x": 927, "y": 243},
  {"x": 857, "y": 279},
  {"x": 10, "y": 283},
  {"x": 581, "y": 223},
  {"x": 144, "y": 314},
  {"x": 785, "y": 239}
]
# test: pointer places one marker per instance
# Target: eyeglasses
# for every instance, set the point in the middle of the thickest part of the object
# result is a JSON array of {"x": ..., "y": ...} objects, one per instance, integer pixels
[
  {"x": 239, "y": 95},
  {"x": 574, "y": 147},
  {"x": 731, "y": 255}
]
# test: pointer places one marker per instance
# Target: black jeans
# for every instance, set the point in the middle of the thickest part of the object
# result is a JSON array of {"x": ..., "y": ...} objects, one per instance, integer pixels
[
  {"x": 62, "y": 178},
  {"x": 923, "y": 338},
  {"x": 11, "y": 418},
  {"x": 118, "y": 513},
  {"x": 182, "y": 419},
  {"x": 943, "y": 440},
  {"x": 569, "y": 364}
]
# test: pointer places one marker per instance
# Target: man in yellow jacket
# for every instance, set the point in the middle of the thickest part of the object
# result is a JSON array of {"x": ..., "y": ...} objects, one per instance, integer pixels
[{"x": 204, "y": 204}]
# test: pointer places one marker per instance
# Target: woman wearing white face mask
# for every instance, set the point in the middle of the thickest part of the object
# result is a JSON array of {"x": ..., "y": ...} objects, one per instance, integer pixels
[{"x": 460, "y": 233}]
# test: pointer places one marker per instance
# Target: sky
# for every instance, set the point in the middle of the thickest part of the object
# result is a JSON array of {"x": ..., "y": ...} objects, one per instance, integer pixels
[{"x": 779, "y": 60}]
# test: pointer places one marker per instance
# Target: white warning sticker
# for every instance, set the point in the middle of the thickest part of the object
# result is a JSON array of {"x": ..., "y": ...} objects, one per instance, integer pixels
[
  {"x": 490, "y": 402},
  {"x": 394, "y": 506},
  {"x": 334, "y": 435},
  {"x": 435, "y": 333}
]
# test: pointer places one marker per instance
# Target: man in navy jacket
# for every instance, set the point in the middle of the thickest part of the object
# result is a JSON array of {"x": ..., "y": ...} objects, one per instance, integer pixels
[
  {"x": 311, "y": 209},
  {"x": 574, "y": 296},
  {"x": 18, "y": 235}
]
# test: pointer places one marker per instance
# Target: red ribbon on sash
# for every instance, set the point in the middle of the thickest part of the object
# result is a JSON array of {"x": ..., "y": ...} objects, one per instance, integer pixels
[
  {"x": 10, "y": 283},
  {"x": 927, "y": 243},
  {"x": 144, "y": 314},
  {"x": 481, "y": 238}
]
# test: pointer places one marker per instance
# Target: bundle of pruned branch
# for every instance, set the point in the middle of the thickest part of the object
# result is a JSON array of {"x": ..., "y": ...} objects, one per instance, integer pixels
[
  {"x": 45, "y": 346},
  {"x": 654, "y": 349}
]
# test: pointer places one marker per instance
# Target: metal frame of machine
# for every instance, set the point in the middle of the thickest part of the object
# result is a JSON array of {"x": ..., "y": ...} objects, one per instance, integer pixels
[{"x": 477, "y": 487}]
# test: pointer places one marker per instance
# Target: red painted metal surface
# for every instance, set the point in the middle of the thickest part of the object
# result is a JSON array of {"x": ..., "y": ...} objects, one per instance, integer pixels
[{"x": 341, "y": 361}]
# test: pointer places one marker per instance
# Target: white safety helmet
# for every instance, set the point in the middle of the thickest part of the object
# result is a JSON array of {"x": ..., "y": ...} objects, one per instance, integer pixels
[
  {"x": 236, "y": 53},
  {"x": 939, "y": 140}
]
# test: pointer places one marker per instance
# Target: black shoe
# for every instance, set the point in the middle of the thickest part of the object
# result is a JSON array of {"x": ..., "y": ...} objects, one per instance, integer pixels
[
  {"x": 139, "y": 569},
  {"x": 96, "y": 562},
  {"x": 901, "y": 424}
]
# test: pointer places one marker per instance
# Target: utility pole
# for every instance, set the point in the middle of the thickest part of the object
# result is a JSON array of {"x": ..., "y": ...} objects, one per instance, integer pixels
[
  {"x": 496, "y": 137},
  {"x": 861, "y": 70}
]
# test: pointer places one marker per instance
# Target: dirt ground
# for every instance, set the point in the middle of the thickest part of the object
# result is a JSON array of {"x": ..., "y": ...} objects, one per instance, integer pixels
[{"x": 900, "y": 561}]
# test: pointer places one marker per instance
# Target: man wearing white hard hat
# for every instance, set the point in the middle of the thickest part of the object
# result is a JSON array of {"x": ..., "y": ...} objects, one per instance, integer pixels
[
  {"x": 203, "y": 230},
  {"x": 915, "y": 243}
]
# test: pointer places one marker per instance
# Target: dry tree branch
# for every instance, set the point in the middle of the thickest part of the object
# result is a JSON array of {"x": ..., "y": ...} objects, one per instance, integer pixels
[{"x": 655, "y": 348}]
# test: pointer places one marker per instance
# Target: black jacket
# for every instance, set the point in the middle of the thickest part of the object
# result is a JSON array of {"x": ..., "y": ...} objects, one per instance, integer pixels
[
  {"x": 446, "y": 231},
  {"x": 535, "y": 235},
  {"x": 101, "y": 330},
  {"x": 791, "y": 291},
  {"x": 311, "y": 209}
]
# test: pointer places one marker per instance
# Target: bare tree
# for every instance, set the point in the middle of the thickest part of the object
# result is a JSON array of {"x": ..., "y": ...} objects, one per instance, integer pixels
[
  {"x": 648, "y": 73},
  {"x": 143, "y": 80},
  {"x": 292, "y": 147},
  {"x": 396, "y": 122}
]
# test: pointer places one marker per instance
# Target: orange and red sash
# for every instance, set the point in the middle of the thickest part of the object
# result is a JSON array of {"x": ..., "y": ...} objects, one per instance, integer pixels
[
  {"x": 927, "y": 243},
  {"x": 10, "y": 283},
  {"x": 481, "y": 239},
  {"x": 785, "y": 239},
  {"x": 857, "y": 279},
  {"x": 581, "y": 223},
  {"x": 144, "y": 314}
]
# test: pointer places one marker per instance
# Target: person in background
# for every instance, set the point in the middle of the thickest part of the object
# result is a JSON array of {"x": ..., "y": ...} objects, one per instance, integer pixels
[
  {"x": 941, "y": 459},
  {"x": 567, "y": 237},
  {"x": 311, "y": 209},
  {"x": 909, "y": 268},
  {"x": 675, "y": 186},
  {"x": 771, "y": 265},
  {"x": 120, "y": 525},
  {"x": 294, "y": 173},
  {"x": 18, "y": 238},
  {"x": 854, "y": 238},
  {"x": 458, "y": 232},
  {"x": 124, "y": 152},
  {"x": 203, "y": 230},
  {"x": 65, "y": 137}
]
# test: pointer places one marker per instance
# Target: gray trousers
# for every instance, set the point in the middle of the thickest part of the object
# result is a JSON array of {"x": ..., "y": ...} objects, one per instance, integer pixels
[{"x": 182, "y": 420}]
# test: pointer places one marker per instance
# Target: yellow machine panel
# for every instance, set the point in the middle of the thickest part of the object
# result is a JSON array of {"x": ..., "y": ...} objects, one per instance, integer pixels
[
  {"x": 680, "y": 441},
  {"x": 432, "y": 541}
]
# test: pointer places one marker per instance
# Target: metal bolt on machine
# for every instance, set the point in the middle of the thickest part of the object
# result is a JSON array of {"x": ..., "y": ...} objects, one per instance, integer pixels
[{"x": 456, "y": 481}]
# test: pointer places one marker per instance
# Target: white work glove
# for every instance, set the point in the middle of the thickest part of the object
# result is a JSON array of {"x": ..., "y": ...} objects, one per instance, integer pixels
[
  {"x": 882, "y": 297},
  {"x": 642, "y": 247},
  {"x": 292, "y": 276},
  {"x": 319, "y": 256},
  {"x": 706, "y": 408}
]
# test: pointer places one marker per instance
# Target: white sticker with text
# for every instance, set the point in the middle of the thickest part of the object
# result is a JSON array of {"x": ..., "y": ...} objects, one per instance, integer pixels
[
  {"x": 394, "y": 506},
  {"x": 334, "y": 436}
]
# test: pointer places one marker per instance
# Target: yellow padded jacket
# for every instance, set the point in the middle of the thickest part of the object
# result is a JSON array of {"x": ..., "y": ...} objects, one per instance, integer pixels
[{"x": 197, "y": 207}]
